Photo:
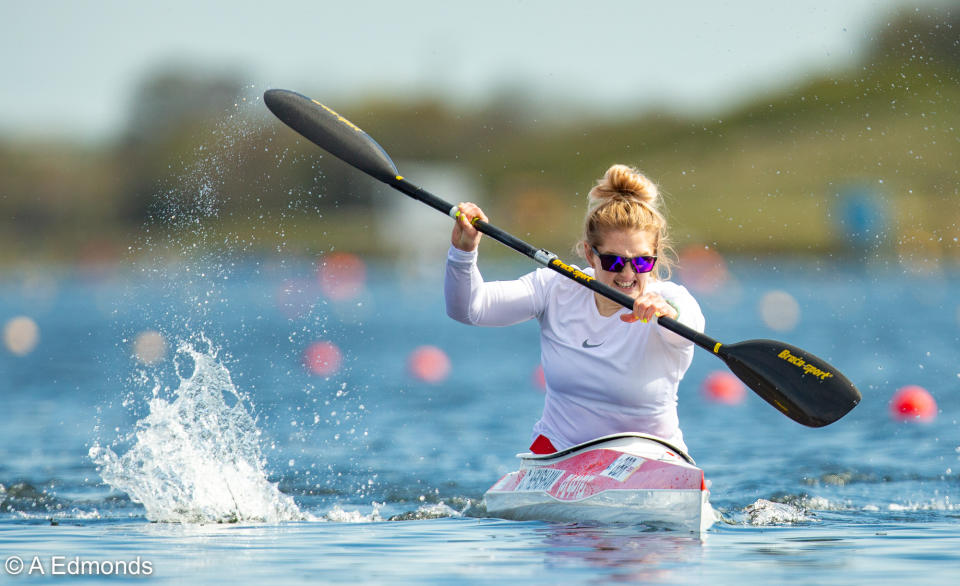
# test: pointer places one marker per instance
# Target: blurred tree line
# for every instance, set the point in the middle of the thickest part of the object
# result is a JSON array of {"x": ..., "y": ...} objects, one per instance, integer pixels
[{"x": 201, "y": 159}]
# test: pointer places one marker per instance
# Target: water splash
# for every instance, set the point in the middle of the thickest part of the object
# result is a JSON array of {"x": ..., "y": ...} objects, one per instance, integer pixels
[
  {"x": 339, "y": 515},
  {"x": 432, "y": 511},
  {"x": 764, "y": 512},
  {"x": 197, "y": 458}
]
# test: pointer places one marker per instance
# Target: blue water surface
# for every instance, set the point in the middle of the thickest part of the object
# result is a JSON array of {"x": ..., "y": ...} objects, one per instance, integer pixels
[{"x": 388, "y": 471}]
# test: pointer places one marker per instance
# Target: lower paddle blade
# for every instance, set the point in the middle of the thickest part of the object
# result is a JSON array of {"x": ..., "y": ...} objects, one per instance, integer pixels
[
  {"x": 806, "y": 388},
  {"x": 331, "y": 132}
]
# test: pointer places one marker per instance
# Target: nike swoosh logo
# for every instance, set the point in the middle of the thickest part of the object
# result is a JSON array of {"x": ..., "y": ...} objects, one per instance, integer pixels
[{"x": 587, "y": 344}]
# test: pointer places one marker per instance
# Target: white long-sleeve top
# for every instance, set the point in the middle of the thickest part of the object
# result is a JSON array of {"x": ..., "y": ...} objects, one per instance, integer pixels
[{"x": 603, "y": 375}]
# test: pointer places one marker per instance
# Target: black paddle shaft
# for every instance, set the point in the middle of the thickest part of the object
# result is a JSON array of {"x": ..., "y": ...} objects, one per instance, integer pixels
[
  {"x": 550, "y": 260},
  {"x": 804, "y": 387}
]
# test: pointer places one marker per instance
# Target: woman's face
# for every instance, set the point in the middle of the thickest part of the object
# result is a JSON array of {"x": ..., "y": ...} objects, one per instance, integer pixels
[{"x": 627, "y": 243}]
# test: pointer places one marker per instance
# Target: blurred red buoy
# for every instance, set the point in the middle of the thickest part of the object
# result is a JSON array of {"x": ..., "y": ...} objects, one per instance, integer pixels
[
  {"x": 913, "y": 403},
  {"x": 429, "y": 364},
  {"x": 539, "y": 380},
  {"x": 723, "y": 387},
  {"x": 322, "y": 358},
  {"x": 342, "y": 275}
]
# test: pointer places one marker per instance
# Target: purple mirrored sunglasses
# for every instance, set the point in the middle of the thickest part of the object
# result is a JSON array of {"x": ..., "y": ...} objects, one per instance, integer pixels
[{"x": 614, "y": 263}]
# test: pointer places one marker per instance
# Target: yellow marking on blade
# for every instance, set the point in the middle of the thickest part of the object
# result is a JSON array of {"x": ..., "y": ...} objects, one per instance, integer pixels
[
  {"x": 399, "y": 177},
  {"x": 339, "y": 117},
  {"x": 716, "y": 347},
  {"x": 803, "y": 364},
  {"x": 781, "y": 407},
  {"x": 575, "y": 273}
]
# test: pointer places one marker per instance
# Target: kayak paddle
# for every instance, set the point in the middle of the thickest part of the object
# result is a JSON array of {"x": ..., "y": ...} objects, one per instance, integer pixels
[{"x": 805, "y": 388}]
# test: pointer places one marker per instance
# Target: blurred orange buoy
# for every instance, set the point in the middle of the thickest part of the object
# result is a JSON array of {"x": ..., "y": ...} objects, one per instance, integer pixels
[
  {"x": 779, "y": 310},
  {"x": 342, "y": 275},
  {"x": 429, "y": 364},
  {"x": 723, "y": 387},
  {"x": 703, "y": 269},
  {"x": 322, "y": 358},
  {"x": 150, "y": 347},
  {"x": 21, "y": 335},
  {"x": 913, "y": 403}
]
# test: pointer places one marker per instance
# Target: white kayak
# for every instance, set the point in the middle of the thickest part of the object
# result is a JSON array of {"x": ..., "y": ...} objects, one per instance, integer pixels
[{"x": 624, "y": 478}]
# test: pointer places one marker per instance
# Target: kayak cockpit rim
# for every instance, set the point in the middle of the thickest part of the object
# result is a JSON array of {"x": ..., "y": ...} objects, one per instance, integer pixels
[{"x": 604, "y": 439}]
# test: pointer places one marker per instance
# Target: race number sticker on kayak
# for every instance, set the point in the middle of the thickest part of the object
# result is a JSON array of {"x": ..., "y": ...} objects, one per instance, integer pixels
[
  {"x": 621, "y": 468},
  {"x": 538, "y": 479}
]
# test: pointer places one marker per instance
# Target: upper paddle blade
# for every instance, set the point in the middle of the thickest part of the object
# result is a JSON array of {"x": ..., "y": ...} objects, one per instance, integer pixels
[
  {"x": 331, "y": 132},
  {"x": 806, "y": 388}
]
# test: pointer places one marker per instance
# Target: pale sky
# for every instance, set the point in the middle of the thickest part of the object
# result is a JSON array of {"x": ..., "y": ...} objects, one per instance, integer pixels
[{"x": 70, "y": 67}]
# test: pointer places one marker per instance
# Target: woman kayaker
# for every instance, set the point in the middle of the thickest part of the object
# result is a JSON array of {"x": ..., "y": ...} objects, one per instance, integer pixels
[{"x": 607, "y": 370}]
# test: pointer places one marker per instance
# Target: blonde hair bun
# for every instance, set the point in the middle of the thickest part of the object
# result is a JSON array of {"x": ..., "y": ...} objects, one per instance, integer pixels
[
  {"x": 624, "y": 199},
  {"x": 624, "y": 182}
]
